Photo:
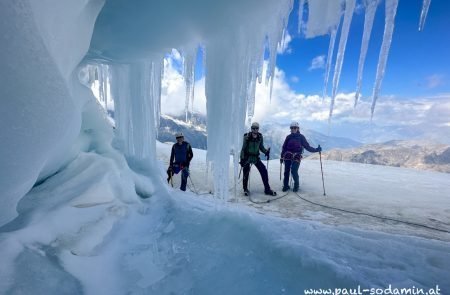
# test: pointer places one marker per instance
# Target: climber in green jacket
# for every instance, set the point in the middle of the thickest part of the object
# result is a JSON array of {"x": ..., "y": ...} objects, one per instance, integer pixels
[{"x": 252, "y": 144}]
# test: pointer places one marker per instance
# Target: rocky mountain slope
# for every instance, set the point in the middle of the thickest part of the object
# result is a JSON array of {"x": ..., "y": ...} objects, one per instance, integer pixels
[
  {"x": 409, "y": 154},
  {"x": 274, "y": 134},
  {"x": 194, "y": 131}
]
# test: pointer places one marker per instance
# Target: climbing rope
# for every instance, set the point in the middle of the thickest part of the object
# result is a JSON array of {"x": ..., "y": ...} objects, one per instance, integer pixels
[
  {"x": 373, "y": 215},
  {"x": 267, "y": 201}
]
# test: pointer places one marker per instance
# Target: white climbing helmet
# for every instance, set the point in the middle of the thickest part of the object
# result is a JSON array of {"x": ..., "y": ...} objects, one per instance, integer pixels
[
  {"x": 179, "y": 134},
  {"x": 295, "y": 124},
  {"x": 255, "y": 125}
]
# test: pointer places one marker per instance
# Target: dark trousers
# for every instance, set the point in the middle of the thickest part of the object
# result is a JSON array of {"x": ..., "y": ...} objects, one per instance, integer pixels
[
  {"x": 184, "y": 176},
  {"x": 291, "y": 167},
  {"x": 262, "y": 170}
]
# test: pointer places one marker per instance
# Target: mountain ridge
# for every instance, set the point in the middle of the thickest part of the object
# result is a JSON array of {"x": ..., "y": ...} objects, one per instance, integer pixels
[
  {"x": 274, "y": 134},
  {"x": 397, "y": 153}
]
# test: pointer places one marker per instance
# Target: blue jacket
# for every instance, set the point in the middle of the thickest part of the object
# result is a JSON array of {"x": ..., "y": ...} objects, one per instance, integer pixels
[
  {"x": 181, "y": 154},
  {"x": 293, "y": 146}
]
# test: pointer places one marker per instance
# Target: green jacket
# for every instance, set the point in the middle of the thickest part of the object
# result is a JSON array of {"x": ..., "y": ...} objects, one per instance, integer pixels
[{"x": 251, "y": 147}]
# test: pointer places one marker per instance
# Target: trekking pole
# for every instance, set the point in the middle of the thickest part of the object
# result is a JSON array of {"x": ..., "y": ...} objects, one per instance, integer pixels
[
  {"x": 281, "y": 165},
  {"x": 239, "y": 177},
  {"x": 248, "y": 176},
  {"x": 321, "y": 169},
  {"x": 195, "y": 190}
]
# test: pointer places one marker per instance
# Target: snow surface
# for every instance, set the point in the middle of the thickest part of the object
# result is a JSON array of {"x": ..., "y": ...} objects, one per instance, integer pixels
[{"x": 75, "y": 235}]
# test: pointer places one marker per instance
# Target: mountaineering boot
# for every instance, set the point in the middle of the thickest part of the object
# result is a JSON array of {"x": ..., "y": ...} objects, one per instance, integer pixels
[
  {"x": 295, "y": 189},
  {"x": 246, "y": 192},
  {"x": 286, "y": 188},
  {"x": 270, "y": 192}
]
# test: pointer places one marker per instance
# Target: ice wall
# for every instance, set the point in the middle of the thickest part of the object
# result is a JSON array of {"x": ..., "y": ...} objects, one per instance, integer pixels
[{"x": 40, "y": 118}]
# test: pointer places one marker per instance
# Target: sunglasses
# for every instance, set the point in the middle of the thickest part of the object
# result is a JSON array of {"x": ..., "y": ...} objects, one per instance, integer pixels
[
  {"x": 179, "y": 137},
  {"x": 255, "y": 128},
  {"x": 293, "y": 127}
]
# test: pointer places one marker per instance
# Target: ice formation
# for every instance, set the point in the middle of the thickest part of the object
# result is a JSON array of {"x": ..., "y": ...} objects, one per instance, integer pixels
[
  {"x": 391, "y": 10},
  {"x": 46, "y": 44},
  {"x": 324, "y": 18},
  {"x": 301, "y": 6},
  {"x": 423, "y": 14},
  {"x": 349, "y": 8},
  {"x": 329, "y": 60},
  {"x": 190, "y": 56},
  {"x": 371, "y": 8}
]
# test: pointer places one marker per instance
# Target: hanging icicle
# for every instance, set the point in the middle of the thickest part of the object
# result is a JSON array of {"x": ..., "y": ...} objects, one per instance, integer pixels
[
  {"x": 424, "y": 13},
  {"x": 329, "y": 59},
  {"x": 301, "y": 5},
  {"x": 189, "y": 58},
  {"x": 349, "y": 9},
  {"x": 369, "y": 16},
  {"x": 391, "y": 10}
]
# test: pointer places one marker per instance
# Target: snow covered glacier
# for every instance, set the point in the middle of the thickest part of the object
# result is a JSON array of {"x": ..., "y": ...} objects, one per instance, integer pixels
[{"x": 55, "y": 138}]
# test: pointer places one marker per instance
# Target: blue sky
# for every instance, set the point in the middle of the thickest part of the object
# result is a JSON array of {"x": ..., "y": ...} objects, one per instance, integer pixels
[
  {"x": 414, "y": 101},
  {"x": 418, "y": 64}
]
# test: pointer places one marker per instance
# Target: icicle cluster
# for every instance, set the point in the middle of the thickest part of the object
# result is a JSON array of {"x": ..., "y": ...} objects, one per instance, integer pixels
[
  {"x": 349, "y": 8},
  {"x": 324, "y": 18},
  {"x": 230, "y": 83},
  {"x": 136, "y": 89}
]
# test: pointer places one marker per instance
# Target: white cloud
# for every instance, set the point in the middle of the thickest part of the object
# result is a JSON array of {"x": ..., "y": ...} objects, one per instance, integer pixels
[
  {"x": 295, "y": 79},
  {"x": 394, "y": 118},
  {"x": 173, "y": 89},
  {"x": 317, "y": 63}
]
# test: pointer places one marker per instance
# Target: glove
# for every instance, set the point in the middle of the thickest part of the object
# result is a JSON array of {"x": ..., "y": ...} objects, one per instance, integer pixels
[
  {"x": 281, "y": 161},
  {"x": 319, "y": 148},
  {"x": 242, "y": 162}
]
